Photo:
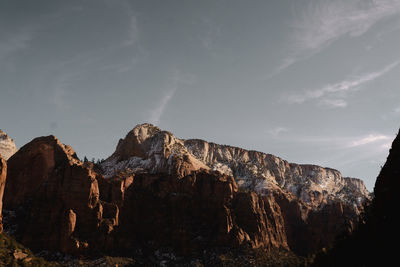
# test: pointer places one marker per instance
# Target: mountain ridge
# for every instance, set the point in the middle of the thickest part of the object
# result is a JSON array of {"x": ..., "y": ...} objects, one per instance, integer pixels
[{"x": 148, "y": 148}]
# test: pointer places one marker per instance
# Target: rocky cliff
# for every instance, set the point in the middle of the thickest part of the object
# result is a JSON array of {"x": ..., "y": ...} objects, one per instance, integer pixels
[
  {"x": 3, "y": 174},
  {"x": 315, "y": 203},
  {"x": 149, "y": 148},
  {"x": 158, "y": 192},
  {"x": 7, "y": 146},
  {"x": 60, "y": 204},
  {"x": 56, "y": 199}
]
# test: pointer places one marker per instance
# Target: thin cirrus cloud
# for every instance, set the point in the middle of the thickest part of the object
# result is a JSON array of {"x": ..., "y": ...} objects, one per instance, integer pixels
[
  {"x": 156, "y": 113},
  {"x": 334, "y": 95},
  {"x": 177, "y": 80},
  {"x": 322, "y": 22},
  {"x": 277, "y": 131},
  {"x": 370, "y": 139}
]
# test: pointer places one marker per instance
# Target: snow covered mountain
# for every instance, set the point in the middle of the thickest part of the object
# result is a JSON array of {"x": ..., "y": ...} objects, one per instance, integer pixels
[
  {"x": 7, "y": 146},
  {"x": 149, "y": 149}
]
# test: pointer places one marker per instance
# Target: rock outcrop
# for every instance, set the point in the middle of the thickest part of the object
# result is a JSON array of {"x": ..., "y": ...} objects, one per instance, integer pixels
[
  {"x": 57, "y": 198},
  {"x": 7, "y": 146},
  {"x": 3, "y": 174}
]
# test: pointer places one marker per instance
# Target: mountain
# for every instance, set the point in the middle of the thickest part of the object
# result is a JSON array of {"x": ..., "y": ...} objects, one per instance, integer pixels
[
  {"x": 7, "y": 146},
  {"x": 314, "y": 200},
  {"x": 149, "y": 148},
  {"x": 161, "y": 198}
]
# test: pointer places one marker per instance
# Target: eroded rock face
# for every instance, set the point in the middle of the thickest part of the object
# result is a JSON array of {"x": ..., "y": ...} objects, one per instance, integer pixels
[
  {"x": 156, "y": 192},
  {"x": 312, "y": 204},
  {"x": 7, "y": 146},
  {"x": 3, "y": 174},
  {"x": 148, "y": 148},
  {"x": 57, "y": 196},
  {"x": 196, "y": 212},
  {"x": 53, "y": 192}
]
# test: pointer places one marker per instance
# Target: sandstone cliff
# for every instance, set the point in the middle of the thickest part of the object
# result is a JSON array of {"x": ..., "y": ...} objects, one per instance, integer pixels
[
  {"x": 7, "y": 146},
  {"x": 62, "y": 205},
  {"x": 314, "y": 204},
  {"x": 3, "y": 174},
  {"x": 157, "y": 191},
  {"x": 148, "y": 148},
  {"x": 56, "y": 198}
]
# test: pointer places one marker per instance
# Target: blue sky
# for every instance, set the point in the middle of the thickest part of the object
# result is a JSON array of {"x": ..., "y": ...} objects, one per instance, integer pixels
[{"x": 309, "y": 81}]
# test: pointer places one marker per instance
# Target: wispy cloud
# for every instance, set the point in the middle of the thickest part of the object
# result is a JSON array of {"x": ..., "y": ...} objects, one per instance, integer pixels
[
  {"x": 277, "y": 131},
  {"x": 156, "y": 113},
  {"x": 176, "y": 81},
  {"x": 132, "y": 33},
  {"x": 322, "y": 22},
  {"x": 369, "y": 139},
  {"x": 333, "y": 95}
]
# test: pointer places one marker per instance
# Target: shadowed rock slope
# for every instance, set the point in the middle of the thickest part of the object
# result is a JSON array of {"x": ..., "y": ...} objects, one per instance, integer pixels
[{"x": 374, "y": 241}]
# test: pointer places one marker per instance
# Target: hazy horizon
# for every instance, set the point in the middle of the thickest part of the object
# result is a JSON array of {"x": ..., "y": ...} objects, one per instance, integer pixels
[{"x": 312, "y": 82}]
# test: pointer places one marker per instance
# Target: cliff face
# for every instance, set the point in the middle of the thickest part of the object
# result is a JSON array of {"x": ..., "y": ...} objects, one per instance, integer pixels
[
  {"x": 148, "y": 148},
  {"x": 3, "y": 174},
  {"x": 7, "y": 146},
  {"x": 314, "y": 203},
  {"x": 157, "y": 191},
  {"x": 56, "y": 198},
  {"x": 51, "y": 191}
]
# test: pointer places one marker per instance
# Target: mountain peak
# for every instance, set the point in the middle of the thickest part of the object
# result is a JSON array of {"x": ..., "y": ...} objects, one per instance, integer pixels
[{"x": 144, "y": 131}]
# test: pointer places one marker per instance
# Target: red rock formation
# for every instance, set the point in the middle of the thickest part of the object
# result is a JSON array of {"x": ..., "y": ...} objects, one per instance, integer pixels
[
  {"x": 3, "y": 174},
  {"x": 60, "y": 197},
  {"x": 62, "y": 204},
  {"x": 196, "y": 212}
]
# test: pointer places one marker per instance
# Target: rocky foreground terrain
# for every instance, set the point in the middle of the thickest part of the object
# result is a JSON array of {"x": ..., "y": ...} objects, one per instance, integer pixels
[{"x": 164, "y": 200}]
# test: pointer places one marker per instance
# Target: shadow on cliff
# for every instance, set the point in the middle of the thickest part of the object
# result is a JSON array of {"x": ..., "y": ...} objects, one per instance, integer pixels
[{"x": 374, "y": 242}]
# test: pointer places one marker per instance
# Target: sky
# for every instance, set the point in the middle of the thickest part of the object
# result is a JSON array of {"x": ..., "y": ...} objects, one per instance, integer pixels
[{"x": 311, "y": 81}]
